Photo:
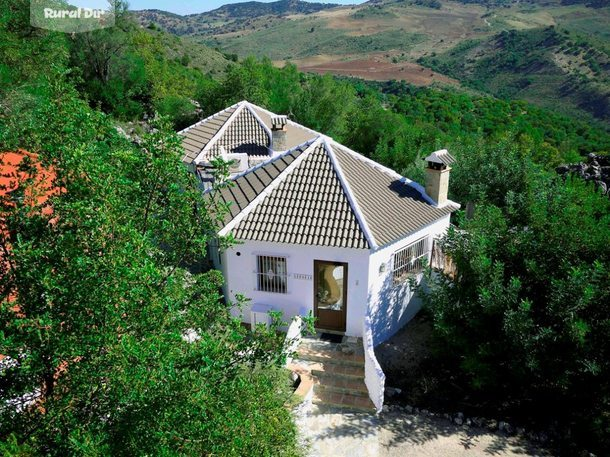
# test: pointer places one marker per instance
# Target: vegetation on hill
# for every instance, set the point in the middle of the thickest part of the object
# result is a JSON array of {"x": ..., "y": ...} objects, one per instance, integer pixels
[
  {"x": 127, "y": 71},
  {"x": 227, "y": 18},
  {"x": 255, "y": 9},
  {"x": 396, "y": 123},
  {"x": 309, "y": 37},
  {"x": 553, "y": 54},
  {"x": 506, "y": 3},
  {"x": 130, "y": 71},
  {"x": 538, "y": 65}
]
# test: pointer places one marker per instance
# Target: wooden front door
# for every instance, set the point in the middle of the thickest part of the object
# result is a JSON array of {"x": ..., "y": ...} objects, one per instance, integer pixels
[{"x": 330, "y": 294}]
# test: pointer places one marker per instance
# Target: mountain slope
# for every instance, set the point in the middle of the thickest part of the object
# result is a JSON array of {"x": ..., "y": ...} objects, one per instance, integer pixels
[
  {"x": 496, "y": 47},
  {"x": 542, "y": 66},
  {"x": 256, "y": 9},
  {"x": 227, "y": 18}
]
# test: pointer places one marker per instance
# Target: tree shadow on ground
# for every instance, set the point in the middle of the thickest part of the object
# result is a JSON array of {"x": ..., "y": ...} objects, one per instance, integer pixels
[{"x": 397, "y": 429}]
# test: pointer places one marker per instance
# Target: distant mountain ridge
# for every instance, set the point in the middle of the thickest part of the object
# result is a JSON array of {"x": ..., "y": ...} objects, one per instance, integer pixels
[
  {"x": 227, "y": 18},
  {"x": 257, "y": 9}
]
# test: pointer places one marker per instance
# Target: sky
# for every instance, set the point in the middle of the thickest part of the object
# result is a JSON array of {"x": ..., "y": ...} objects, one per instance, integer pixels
[{"x": 190, "y": 6}]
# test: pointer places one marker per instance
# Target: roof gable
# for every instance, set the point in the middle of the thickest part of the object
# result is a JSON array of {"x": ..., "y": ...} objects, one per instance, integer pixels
[
  {"x": 305, "y": 203},
  {"x": 241, "y": 128},
  {"x": 197, "y": 136},
  {"x": 243, "y": 133}
]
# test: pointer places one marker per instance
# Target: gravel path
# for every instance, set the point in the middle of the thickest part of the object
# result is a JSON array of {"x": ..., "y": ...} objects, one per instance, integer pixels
[{"x": 335, "y": 433}]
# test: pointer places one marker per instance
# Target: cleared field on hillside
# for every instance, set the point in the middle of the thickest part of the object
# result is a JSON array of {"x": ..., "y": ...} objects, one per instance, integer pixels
[{"x": 377, "y": 68}]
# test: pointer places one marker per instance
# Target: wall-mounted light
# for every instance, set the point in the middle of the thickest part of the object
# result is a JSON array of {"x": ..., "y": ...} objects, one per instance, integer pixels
[{"x": 382, "y": 268}]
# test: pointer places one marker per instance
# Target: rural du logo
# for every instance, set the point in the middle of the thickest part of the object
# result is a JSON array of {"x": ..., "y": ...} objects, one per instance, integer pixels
[{"x": 72, "y": 16}]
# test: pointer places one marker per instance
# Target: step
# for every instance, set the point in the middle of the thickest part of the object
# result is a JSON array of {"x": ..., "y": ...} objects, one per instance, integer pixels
[
  {"x": 347, "y": 401},
  {"x": 342, "y": 386},
  {"x": 337, "y": 371},
  {"x": 318, "y": 345},
  {"x": 317, "y": 355}
]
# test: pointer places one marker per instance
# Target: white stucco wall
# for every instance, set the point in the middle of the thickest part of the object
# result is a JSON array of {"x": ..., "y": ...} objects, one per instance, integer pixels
[
  {"x": 392, "y": 306},
  {"x": 240, "y": 277}
]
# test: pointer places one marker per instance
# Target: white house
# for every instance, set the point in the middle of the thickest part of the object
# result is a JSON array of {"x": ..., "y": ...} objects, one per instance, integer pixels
[{"x": 320, "y": 228}]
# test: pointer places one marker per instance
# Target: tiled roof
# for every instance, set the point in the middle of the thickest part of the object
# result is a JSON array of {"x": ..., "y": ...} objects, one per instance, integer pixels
[
  {"x": 244, "y": 134},
  {"x": 199, "y": 135},
  {"x": 247, "y": 187},
  {"x": 391, "y": 205},
  {"x": 319, "y": 192},
  {"x": 241, "y": 128},
  {"x": 309, "y": 206}
]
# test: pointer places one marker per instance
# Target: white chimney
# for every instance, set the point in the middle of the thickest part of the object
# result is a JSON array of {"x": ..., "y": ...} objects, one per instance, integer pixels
[
  {"x": 437, "y": 175},
  {"x": 278, "y": 132}
]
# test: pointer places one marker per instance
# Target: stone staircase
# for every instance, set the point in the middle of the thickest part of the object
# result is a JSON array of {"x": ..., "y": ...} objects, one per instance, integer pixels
[{"x": 338, "y": 372}]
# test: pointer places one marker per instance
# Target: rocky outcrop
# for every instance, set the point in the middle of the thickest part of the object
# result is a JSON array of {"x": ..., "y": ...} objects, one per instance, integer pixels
[{"x": 595, "y": 169}]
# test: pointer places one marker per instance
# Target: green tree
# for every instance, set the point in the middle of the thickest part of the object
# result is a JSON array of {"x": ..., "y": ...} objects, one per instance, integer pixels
[
  {"x": 105, "y": 302},
  {"x": 525, "y": 321}
]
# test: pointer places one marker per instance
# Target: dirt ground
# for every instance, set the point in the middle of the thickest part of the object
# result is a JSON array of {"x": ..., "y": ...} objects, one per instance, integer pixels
[
  {"x": 394, "y": 433},
  {"x": 375, "y": 68},
  {"x": 404, "y": 352}
]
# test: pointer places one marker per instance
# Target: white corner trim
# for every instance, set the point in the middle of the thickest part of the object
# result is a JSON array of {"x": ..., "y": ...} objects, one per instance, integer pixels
[
  {"x": 450, "y": 203},
  {"x": 350, "y": 196},
  {"x": 267, "y": 190},
  {"x": 221, "y": 131},
  {"x": 260, "y": 121}
]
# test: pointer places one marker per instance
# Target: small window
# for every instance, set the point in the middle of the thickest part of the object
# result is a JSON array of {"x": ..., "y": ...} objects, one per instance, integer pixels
[
  {"x": 410, "y": 260},
  {"x": 271, "y": 274}
]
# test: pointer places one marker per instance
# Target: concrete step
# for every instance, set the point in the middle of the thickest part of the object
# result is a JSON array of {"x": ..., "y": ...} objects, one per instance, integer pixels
[
  {"x": 323, "y": 370},
  {"x": 356, "y": 344},
  {"x": 354, "y": 387},
  {"x": 318, "y": 344},
  {"x": 347, "y": 401},
  {"x": 326, "y": 356}
]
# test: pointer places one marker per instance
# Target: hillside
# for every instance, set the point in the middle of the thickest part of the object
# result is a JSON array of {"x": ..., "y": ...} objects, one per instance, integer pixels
[
  {"x": 496, "y": 47},
  {"x": 191, "y": 53},
  {"x": 227, "y": 18},
  {"x": 255, "y": 9},
  {"x": 543, "y": 66}
]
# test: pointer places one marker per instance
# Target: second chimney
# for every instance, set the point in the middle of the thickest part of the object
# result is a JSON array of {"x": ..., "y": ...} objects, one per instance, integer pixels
[
  {"x": 437, "y": 176},
  {"x": 278, "y": 132}
]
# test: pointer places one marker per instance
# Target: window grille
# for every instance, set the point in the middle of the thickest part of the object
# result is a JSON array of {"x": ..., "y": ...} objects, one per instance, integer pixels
[
  {"x": 410, "y": 260},
  {"x": 271, "y": 274}
]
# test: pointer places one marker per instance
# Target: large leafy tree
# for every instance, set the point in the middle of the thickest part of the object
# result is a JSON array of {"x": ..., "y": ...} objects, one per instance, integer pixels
[
  {"x": 525, "y": 320},
  {"x": 104, "y": 318}
]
